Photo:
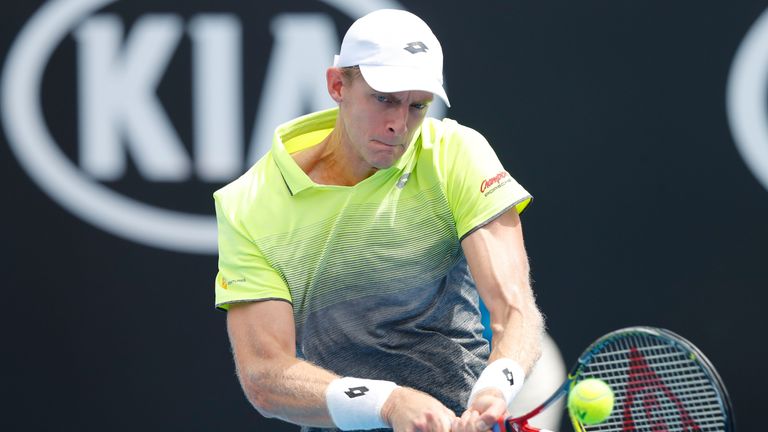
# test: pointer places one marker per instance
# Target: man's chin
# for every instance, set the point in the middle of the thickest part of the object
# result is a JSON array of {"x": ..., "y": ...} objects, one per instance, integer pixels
[
  {"x": 385, "y": 161},
  {"x": 383, "y": 166}
]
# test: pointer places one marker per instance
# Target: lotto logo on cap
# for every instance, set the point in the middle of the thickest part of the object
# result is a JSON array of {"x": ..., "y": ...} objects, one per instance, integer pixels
[{"x": 396, "y": 51}]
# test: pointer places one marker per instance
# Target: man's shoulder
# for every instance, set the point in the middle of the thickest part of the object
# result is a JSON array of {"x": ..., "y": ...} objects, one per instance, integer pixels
[
  {"x": 253, "y": 186},
  {"x": 446, "y": 141},
  {"x": 442, "y": 134}
]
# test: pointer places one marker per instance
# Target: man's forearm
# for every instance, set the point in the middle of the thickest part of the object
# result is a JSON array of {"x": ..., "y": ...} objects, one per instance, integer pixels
[
  {"x": 293, "y": 390},
  {"x": 517, "y": 331},
  {"x": 296, "y": 392},
  {"x": 499, "y": 265}
]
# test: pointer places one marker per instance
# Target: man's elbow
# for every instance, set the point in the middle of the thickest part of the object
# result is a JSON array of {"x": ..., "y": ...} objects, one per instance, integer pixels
[{"x": 256, "y": 388}]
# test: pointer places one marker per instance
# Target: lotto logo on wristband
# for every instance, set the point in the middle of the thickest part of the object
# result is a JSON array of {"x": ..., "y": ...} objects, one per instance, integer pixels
[
  {"x": 354, "y": 412},
  {"x": 513, "y": 379},
  {"x": 510, "y": 377},
  {"x": 356, "y": 392}
]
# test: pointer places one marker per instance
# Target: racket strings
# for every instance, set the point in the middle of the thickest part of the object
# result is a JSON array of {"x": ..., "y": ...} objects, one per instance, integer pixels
[{"x": 658, "y": 386}]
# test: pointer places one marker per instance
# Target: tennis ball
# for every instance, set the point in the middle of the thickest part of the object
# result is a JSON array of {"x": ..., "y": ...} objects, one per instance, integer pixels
[{"x": 590, "y": 401}]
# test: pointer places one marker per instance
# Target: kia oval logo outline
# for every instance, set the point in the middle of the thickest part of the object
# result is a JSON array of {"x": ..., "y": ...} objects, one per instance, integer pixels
[
  {"x": 745, "y": 99},
  {"x": 43, "y": 160}
]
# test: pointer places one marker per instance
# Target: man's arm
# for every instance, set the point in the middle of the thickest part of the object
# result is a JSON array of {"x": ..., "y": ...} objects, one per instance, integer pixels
[
  {"x": 280, "y": 385},
  {"x": 276, "y": 383},
  {"x": 499, "y": 264}
]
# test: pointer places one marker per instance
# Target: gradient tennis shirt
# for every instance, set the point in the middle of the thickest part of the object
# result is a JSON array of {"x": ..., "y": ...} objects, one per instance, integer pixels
[{"x": 375, "y": 272}]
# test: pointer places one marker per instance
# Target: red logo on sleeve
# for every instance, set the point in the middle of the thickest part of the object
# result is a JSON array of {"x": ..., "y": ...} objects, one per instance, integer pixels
[{"x": 489, "y": 182}]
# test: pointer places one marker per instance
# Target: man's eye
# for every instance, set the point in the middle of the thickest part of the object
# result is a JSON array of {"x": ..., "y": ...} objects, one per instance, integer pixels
[
  {"x": 382, "y": 98},
  {"x": 419, "y": 106}
]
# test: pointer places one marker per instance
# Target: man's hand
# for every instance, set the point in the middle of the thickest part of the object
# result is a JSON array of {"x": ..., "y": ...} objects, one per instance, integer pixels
[
  {"x": 489, "y": 406},
  {"x": 409, "y": 410}
]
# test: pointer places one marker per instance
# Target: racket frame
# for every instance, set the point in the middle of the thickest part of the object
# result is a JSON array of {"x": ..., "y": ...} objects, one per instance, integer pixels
[{"x": 520, "y": 423}]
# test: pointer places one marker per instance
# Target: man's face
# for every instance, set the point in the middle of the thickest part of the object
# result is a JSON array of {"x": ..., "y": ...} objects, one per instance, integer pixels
[{"x": 378, "y": 127}]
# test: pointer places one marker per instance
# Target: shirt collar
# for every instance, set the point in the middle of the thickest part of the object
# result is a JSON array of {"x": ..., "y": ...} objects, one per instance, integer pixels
[{"x": 295, "y": 178}]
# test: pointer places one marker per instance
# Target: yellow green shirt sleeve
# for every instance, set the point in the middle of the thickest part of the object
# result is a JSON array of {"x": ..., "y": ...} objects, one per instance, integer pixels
[
  {"x": 244, "y": 274},
  {"x": 477, "y": 186}
]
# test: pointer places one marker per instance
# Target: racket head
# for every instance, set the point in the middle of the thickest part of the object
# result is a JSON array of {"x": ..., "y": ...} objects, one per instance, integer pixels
[{"x": 660, "y": 381}]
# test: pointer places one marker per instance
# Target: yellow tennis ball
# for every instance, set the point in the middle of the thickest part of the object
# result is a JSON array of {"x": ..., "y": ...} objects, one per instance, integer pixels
[{"x": 590, "y": 401}]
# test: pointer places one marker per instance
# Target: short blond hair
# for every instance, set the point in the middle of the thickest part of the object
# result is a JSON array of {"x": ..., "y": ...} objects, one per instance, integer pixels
[{"x": 350, "y": 73}]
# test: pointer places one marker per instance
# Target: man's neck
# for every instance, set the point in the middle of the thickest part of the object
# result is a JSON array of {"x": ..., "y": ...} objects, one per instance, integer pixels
[{"x": 333, "y": 162}]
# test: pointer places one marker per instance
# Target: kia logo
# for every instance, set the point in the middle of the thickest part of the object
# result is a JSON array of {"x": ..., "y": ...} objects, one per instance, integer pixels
[{"x": 120, "y": 117}]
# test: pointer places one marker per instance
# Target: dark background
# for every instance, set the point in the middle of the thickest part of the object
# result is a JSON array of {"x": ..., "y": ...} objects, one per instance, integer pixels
[{"x": 612, "y": 113}]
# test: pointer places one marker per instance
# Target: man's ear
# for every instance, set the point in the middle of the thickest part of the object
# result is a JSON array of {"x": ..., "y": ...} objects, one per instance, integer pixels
[{"x": 333, "y": 77}]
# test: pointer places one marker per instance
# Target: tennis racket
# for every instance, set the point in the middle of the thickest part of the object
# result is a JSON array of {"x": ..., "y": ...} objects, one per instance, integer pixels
[{"x": 661, "y": 383}]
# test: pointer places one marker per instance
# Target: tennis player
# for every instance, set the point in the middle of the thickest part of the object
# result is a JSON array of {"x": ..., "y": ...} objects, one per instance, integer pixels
[{"x": 345, "y": 254}]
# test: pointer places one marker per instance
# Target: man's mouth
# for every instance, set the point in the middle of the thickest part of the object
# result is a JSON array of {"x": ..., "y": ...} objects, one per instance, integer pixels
[{"x": 386, "y": 143}]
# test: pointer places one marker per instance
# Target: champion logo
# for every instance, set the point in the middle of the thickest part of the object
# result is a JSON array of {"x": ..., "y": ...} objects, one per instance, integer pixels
[
  {"x": 354, "y": 392},
  {"x": 416, "y": 47},
  {"x": 489, "y": 182}
]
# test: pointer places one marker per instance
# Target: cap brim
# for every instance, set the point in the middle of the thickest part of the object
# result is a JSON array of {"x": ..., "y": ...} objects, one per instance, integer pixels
[{"x": 390, "y": 79}]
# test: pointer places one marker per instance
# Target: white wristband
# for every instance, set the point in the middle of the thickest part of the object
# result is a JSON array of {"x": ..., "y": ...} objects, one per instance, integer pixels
[
  {"x": 355, "y": 403},
  {"x": 503, "y": 374}
]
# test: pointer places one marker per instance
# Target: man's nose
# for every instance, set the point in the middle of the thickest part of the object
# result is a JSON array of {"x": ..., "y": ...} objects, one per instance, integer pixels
[{"x": 398, "y": 122}]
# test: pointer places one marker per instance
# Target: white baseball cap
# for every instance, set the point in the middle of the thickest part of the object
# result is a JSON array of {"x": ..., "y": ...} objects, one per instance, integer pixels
[{"x": 396, "y": 51}]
